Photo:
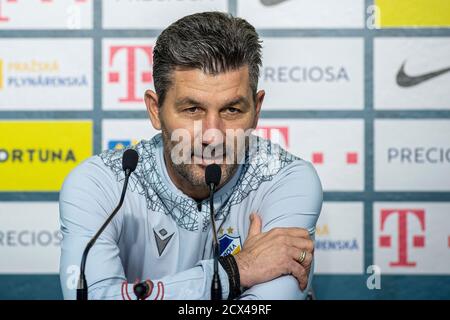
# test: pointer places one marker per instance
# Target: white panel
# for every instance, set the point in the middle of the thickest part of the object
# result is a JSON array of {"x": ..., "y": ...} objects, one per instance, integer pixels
[
  {"x": 153, "y": 14},
  {"x": 29, "y": 237},
  {"x": 127, "y": 73},
  {"x": 46, "y": 14},
  {"x": 117, "y": 133},
  {"x": 303, "y": 13},
  {"x": 412, "y": 155},
  {"x": 312, "y": 73},
  {"x": 335, "y": 147},
  {"x": 414, "y": 237},
  {"x": 425, "y": 79},
  {"x": 339, "y": 242},
  {"x": 46, "y": 74}
]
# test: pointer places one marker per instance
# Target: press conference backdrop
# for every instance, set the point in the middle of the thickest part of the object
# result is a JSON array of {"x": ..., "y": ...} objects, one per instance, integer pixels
[{"x": 359, "y": 88}]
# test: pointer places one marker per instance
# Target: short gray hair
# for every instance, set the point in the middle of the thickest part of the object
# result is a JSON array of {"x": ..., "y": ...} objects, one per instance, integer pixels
[{"x": 213, "y": 42}]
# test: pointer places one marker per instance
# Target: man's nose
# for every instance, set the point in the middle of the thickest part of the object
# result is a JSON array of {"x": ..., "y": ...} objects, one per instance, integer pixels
[{"x": 212, "y": 130}]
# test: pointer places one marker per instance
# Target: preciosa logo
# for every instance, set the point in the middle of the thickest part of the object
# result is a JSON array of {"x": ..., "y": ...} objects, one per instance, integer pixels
[
  {"x": 30, "y": 238},
  {"x": 418, "y": 155},
  {"x": 305, "y": 74}
]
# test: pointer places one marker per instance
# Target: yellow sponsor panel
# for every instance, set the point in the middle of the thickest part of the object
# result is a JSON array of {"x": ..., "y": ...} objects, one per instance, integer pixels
[
  {"x": 413, "y": 13},
  {"x": 38, "y": 155}
]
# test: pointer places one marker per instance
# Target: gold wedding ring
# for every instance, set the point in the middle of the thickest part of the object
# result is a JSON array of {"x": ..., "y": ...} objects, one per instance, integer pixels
[{"x": 302, "y": 257}]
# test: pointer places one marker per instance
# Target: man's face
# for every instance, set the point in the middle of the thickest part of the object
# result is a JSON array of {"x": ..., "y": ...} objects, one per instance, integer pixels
[{"x": 205, "y": 107}]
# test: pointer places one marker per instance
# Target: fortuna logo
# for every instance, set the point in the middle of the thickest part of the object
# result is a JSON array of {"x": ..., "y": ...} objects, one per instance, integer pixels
[
  {"x": 405, "y": 81},
  {"x": 229, "y": 244},
  {"x": 37, "y": 155},
  {"x": 269, "y": 3}
]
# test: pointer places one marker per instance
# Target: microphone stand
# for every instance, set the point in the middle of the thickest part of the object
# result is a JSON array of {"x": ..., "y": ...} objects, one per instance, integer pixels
[
  {"x": 216, "y": 288},
  {"x": 82, "y": 289}
]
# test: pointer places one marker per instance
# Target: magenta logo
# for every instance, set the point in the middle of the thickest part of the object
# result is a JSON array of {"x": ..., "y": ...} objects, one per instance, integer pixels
[
  {"x": 385, "y": 241},
  {"x": 131, "y": 52}
]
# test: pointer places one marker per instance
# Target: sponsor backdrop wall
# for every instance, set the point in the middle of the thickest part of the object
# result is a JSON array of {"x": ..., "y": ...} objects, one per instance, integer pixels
[{"x": 359, "y": 88}]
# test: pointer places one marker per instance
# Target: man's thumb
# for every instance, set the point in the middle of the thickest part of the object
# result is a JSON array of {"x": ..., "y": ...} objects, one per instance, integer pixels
[{"x": 255, "y": 225}]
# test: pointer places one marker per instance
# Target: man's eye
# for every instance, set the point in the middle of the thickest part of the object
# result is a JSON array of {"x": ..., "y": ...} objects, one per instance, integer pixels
[
  {"x": 192, "y": 110},
  {"x": 233, "y": 110}
]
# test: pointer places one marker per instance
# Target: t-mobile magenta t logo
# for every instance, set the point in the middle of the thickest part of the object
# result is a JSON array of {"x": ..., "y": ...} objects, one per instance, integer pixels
[{"x": 418, "y": 240}]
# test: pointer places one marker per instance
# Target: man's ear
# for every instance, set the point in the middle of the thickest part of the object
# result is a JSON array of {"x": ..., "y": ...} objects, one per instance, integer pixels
[
  {"x": 258, "y": 104},
  {"x": 151, "y": 102}
]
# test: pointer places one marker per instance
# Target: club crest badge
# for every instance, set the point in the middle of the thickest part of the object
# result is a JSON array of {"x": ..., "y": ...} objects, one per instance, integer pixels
[{"x": 229, "y": 244}]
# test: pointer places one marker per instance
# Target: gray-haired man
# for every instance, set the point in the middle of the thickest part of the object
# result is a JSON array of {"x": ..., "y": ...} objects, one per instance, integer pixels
[{"x": 206, "y": 69}]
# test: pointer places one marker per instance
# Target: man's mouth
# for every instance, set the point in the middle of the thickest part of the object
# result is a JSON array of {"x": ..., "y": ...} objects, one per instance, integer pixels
[{"x": 204, "y": 161}]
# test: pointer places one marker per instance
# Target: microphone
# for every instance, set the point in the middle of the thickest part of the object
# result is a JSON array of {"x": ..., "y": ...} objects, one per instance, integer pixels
[
  {"x": 213, "y": 174},
  {"x": 129, "y": 162}
]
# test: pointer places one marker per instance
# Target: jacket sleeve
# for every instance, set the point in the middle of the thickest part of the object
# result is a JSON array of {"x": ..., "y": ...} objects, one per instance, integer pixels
[
  {"x": 293, "y": 200},
  {"x": 88, "y": 196}
]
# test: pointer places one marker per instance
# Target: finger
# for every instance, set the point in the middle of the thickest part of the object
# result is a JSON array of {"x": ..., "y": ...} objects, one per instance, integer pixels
[
  {"x": 293, "y": 232},
  {"x": 255, "y": 225},
  {"x": 301, "y": 244},
  {"x": 300, "y": 274},
  {"x": 305, "y": 264},
  {"x": 284, "y": 241},
  {"x": 296, "y": 254}
]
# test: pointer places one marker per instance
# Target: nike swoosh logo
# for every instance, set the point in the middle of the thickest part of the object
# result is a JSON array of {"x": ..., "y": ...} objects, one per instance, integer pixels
[
  {"x": 404, "y": 80},
  {"x": 269, "y": 3},
  {"x": 160, "y": 243}
]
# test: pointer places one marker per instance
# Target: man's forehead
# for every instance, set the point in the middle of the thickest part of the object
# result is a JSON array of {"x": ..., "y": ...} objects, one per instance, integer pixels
[
  {"x": 198, "y": 78},
  {"x": 196, "y": 85}
]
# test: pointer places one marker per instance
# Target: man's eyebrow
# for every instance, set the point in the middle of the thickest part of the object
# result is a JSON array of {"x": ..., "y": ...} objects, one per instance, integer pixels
[
  {"x": 190, "y": 101},
  {"x": 187, "y": 101},
  {"x": 236, "y": 101}
]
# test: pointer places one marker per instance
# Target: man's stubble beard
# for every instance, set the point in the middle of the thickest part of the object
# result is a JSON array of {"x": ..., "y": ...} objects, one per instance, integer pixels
[{"x": 193, "y": 173}]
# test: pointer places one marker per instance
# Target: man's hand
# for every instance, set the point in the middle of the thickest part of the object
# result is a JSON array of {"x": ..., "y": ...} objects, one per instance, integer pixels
[{"x": 268, "y": 255}]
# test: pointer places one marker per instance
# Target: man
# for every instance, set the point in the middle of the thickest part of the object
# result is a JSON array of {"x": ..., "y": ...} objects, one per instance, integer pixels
[{"x": 206, "y": 69}]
